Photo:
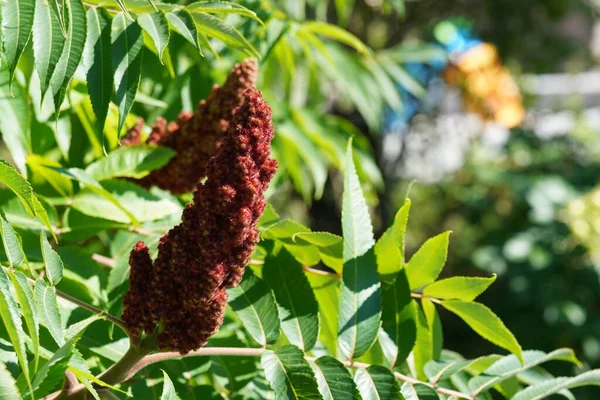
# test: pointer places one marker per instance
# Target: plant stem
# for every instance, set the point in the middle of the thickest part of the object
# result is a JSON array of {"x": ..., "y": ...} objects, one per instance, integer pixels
[{"x": 205, "y": 351}]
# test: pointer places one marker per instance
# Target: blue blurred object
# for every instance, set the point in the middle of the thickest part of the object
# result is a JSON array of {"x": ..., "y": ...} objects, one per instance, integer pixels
[{"x": 455, "y": 37}]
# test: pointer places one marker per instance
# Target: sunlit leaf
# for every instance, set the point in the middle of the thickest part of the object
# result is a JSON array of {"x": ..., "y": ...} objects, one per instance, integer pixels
[
  {"x": 360, "y": 297},
  {"x": 9, "y": 312},
  {"x": 334, "y": 380},
  {"x": 168, "y": 392},
  {"x": 510, "y": 366},
  {"x": 289, "y": 374},
  {"x": 465, "y": 288},
  {"x": 483, "y": 321},
  {"x": 254, "y": 303},
  {"x": 130, "y": 161},
  {"x": 48, "y": 311},
  {"x": 52, "y": 261},
  {"x": 298, "y": 308},
  {"x": 377, "y": 382},
  {"x": 48, "y": 43},
  {"x": 427, "y": 263},
  {"x": 29, "y": 308},
  {"x": 12, "y": 245},
  {"x": 156, "y": 25}
]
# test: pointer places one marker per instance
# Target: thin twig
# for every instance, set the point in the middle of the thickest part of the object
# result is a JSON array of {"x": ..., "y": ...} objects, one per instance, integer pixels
[
  {"x": 106, "y": 261},
  {"x": 422, "y": 296}
]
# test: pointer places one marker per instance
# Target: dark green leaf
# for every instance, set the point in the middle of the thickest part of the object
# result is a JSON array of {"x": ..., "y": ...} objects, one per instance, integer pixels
[
  {"x": 17, "y": 22},
  {"x": 98, "y": 62},
  {"x": 72, "y": 51},
  {"x": 399, "y": 317},
  {"x": 298, "y": 308},
  {"x": 377, "y": 382},
  {"x": 127, "y": 43},
  {"x": 335, "y": 382},
  {"x": 289, "y": 374},
  {"x": 254, "y": 303},
  {"x": 48, "y": 43}
]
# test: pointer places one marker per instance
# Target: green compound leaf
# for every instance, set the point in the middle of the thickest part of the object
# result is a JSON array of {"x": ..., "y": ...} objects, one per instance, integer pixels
[
  {"x": 254, "y": 302},
  {"x": 289, "y": 374}
]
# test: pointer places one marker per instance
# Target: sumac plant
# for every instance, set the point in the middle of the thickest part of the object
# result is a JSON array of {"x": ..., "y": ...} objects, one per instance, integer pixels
[{"x": 151, "y": 265}]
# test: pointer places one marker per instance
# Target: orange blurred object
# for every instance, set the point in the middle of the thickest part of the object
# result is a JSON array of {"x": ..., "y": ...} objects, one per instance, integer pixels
[{"x": 488, "y": 88}]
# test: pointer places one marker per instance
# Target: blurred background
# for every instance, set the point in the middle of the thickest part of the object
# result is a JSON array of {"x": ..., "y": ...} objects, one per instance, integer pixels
[{"x": 492, "y": 115}]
